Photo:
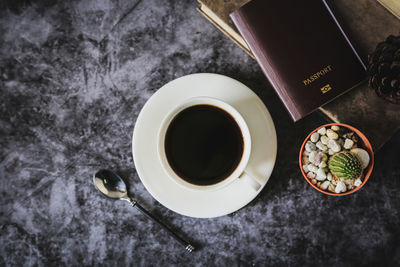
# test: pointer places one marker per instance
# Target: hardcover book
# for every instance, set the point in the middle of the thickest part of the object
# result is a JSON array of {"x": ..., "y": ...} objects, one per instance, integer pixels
[
  {"x": 392, "y": 5},
  {"x": 304, "y": 53}
]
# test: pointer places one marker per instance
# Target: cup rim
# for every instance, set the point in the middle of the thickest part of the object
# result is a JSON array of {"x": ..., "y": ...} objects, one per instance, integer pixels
[
  {"x": 204, "y": 100},
  {"x": 367, "y": 146}
]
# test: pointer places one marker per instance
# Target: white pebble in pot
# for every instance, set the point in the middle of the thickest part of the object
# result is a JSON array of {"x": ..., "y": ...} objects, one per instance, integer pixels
[
  {"x": 318, "y": 158},
  {"x": 322, "y": 165},
  {"x": 331, "y": 188},
  {"x": 340, "y": 187},
  {"x": 348, "y": 143},
  {"x": 325, "y": 185},
  {"x": 312, "y": 168},
  {"x": 310, "y": 146},
  {"x": 311, "y": 175},
  {"x": 334, "y": 146},
  {"x": 314, "y": 137},
  {"x": 321, "y": 146},
  {"x": 322, "y": 131},
  {"x": 324, "y": 140},
  {"x": 312, "y": 156},
  {"x": 331, "y": 134},
  {"x": 362, "y": 155},
  {"x": 357, "y": 182},
  {"x": 305, "y": 168},
  {"x": 321, "y": 175},
  {"x": 335, "y": 128}
]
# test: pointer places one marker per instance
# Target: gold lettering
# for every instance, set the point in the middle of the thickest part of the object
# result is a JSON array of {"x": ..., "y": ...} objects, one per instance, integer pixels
[{"x": 317, "y": 75}]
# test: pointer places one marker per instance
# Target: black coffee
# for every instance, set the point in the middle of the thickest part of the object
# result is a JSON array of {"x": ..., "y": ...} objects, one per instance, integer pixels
[{"x": 203, "y": 144}]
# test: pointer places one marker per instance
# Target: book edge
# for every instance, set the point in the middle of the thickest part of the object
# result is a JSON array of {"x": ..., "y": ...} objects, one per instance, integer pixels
[
  {"x": 389, "y": 7},
  {"x": 222, "y": 28},
  {"x": 221, "y": 23},
  {"x": 329, "y": 115}
]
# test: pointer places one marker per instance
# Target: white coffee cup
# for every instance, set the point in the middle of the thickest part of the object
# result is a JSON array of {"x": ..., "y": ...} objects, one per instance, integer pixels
[{"x": 240, "y": 170}]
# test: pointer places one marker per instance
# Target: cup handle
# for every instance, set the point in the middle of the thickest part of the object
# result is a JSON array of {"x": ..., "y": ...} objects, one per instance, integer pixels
[{"x": 250, "y": 180}]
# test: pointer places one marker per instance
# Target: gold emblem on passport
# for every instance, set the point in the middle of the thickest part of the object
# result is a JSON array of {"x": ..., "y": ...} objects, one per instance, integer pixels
[{"x": 326, "y": 88}]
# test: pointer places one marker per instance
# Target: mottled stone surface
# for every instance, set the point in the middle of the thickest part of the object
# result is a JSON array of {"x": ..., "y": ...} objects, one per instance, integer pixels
[{"x": 73, "y": 78}]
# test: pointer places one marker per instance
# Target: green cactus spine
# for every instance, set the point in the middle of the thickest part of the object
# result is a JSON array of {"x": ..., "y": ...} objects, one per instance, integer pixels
[{"x": 345, "y": 165}]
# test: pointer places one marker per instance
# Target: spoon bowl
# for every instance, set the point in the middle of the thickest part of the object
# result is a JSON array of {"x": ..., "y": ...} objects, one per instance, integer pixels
[{"x": 110, "y": 184}]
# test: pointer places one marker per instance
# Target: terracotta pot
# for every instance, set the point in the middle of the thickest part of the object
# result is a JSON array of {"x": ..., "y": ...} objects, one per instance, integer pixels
[{"x": 362, "y": 143}]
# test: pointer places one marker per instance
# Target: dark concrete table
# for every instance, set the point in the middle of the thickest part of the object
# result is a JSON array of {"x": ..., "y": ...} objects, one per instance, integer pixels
[{"x": 73, "y": 78}]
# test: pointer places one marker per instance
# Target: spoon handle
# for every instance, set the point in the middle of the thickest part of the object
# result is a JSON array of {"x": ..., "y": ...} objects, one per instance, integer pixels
[{"x": 186, "y": 244}]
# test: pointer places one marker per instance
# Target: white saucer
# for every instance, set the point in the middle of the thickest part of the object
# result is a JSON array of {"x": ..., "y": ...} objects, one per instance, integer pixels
[{"x": 193, "y": 203}]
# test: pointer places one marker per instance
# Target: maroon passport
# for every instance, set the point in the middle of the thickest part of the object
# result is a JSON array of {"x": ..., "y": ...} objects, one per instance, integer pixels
[{"x": 302, "y": 50}]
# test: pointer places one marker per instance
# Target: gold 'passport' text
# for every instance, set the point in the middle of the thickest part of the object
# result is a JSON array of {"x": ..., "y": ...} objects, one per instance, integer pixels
[{"x": 317, "y": 75}]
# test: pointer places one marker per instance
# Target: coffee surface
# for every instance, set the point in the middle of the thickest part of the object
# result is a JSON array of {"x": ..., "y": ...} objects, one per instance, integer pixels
[{"x": 203, "y": 144}]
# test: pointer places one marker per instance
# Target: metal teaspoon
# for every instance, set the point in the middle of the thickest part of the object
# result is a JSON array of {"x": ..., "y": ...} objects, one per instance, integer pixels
[{"x": 112, "y": 185}]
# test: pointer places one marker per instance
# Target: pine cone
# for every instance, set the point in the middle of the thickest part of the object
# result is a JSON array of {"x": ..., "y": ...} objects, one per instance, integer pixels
[{"x": 384, "y": 69}]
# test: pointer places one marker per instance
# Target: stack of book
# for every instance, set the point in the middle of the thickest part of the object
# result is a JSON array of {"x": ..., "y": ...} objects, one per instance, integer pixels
[{"x": 360, "y": 107}]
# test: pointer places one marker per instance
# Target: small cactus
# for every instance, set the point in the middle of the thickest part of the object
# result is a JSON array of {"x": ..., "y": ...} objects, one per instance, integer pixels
[{"x": 345, "y": 165}]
